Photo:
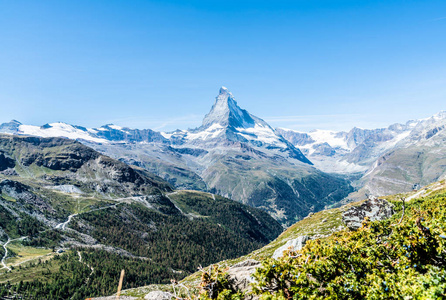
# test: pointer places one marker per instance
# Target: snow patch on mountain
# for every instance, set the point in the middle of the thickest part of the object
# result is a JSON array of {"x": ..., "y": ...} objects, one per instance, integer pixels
[
  {"x": 60, "y": 130},
  {"x": 116, "y": 127},
  {"x": 211, "y": 132},
  {"x": 333, "y": 138},
  {"x": 166, "y": 135},
  {"x": 393, "y": 142},
  {"x": 262, "y": 133}
]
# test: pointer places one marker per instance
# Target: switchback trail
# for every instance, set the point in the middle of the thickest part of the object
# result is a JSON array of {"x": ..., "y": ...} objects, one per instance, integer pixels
[
  {"x": 6, "y": 251},
  {"x": 63, "y": 225}
]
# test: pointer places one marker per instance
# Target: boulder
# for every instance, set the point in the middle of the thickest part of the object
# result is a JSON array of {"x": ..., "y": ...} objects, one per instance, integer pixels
[
  {"x": 375, "y": 209},
  {"x": 158, "y": 295},
  {"x": 294, "y": 245},
  {"x": 240, "y": 276}
]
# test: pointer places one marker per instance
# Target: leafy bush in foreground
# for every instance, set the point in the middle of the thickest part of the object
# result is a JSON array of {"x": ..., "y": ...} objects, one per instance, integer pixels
[{"x": 399, "y": 258}]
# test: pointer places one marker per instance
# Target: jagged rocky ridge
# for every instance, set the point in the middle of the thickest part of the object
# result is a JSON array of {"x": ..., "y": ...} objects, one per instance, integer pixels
[
  {"x": 388, "y": 160},
  {"x": 238, "y": 155},
  {"x": 233, "y": 154}
]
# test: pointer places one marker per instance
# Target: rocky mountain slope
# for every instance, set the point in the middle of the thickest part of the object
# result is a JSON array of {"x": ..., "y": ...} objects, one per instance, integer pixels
[
  {"x": 58, "y": 194},
  {"x": 238, "y": 155},
  {"x": 233, "y": 154},
  {"x": 388, "y": 160}
]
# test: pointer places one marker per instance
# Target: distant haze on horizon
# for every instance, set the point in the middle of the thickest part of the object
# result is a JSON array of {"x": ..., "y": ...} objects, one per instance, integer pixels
[{"x": 159, "y": 64}]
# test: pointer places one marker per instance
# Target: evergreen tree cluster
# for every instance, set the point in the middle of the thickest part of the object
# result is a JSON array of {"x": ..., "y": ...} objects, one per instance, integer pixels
[
  {"x": 65, "y": 277},
  {"x": 170, "y": 240}
]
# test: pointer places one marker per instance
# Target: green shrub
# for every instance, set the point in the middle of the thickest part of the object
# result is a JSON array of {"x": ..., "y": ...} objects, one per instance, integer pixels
[{"x": 381, "y": 260}]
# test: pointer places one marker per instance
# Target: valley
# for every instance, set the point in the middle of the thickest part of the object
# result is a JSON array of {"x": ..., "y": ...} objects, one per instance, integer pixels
[
  {"x": 64, "y": 199},
  {"x": 84, "y": 203}
]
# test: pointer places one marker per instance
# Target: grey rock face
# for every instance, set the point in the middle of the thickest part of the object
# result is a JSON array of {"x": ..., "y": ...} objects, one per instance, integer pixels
[
  {"x": 295, "y": 245},
  {"x": 6, "y": 162},
  {"x": 241, "y": 275},
  {"x": 129, "y": 135},
  {"x": 296, "y": 138},
  {"x": 324, "y": 149},
  {"x": 22, "y": 193},
  {"x": 158, "y": 295},
  {"x": 375, "y": 209}
]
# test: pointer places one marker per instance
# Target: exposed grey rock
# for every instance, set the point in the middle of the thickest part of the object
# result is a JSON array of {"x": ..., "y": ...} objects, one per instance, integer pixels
[
  {"x": 295, "y": 245},
  {"x": 323, "y": 149},
  {"x": 6, "y": 162},
  {"x": 114, "y": 298},
  {"x": 241, "y": 275},
  {"x": 111, "y": 133},
  {"x": 295, "y": 138},
  {"x": 158, "y": 295},
  {"x": 375, "y": 209},
  {"x": 21, "y": 192},
  {"x": 66, "y": 188},
  {"x": 9, "y": 172}
]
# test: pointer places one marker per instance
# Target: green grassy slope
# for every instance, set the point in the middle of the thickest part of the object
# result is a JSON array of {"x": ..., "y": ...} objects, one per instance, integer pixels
[{"x": 360, "y": 264}]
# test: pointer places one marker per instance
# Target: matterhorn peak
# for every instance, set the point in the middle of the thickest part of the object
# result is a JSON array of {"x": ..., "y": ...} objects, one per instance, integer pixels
[
  {"x": 225, "y": 95},
  {"x": 224, "y": 91},
  {"x": 225, "y": 112}
]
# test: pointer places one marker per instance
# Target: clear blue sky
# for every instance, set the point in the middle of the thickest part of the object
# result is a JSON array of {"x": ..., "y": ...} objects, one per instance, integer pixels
[{"x": 159, "y": 64}]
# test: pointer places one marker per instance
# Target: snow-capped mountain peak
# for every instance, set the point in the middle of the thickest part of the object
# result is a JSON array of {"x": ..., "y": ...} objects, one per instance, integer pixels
[
  {"x": 60, "y": 129},
  {"x": 226, "y": 112},
  {"x": 224, "y": 90},
  {"x": 228, "y": 122}
]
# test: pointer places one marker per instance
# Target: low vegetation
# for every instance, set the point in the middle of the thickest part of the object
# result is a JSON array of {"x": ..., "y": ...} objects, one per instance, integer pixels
[{"x": 402, "y": 257}]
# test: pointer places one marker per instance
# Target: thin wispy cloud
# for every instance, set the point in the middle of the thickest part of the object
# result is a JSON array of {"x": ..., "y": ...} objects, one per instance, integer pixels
[
  {"x": 438, "y": 19},
  {"x": 337, "y": 122},
  {"x": 159, "y": 123},
  {"x": 306, "y": 117}
]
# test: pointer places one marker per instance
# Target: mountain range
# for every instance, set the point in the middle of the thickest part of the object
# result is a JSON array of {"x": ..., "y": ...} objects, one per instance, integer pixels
[
  {"x": 389, "y": 160},
  {"x": 285, "y": 172},
  {"x": 233, "y": 154}
]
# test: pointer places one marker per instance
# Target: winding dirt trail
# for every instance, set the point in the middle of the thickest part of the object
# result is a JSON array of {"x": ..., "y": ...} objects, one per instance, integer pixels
[
  {"x": 63, "y": 225},
  {"x": 6, "y": 251}
]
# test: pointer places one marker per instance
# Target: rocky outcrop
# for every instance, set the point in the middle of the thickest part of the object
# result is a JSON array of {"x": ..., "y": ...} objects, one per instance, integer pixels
[
  {"x": 158, "y": 295},
  {"x": 22, "y": 193},
  {"x": 6, "y": 162},
  {"x": 375, "y": 209},
  {"x": 114, "y": 298},
  {"x": 293, "y": 245},
  {"x": 240, "y": 275}
]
